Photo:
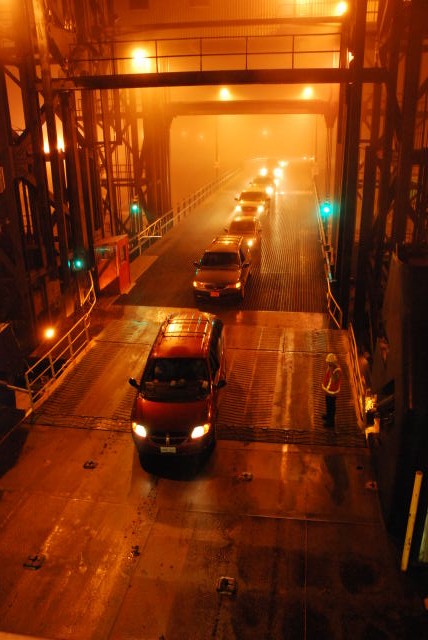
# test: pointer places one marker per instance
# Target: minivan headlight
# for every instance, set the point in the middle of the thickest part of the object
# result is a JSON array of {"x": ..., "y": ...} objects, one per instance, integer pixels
[
  {"x": 139, "y": 430},
  {"x": 200, "y": 430}
]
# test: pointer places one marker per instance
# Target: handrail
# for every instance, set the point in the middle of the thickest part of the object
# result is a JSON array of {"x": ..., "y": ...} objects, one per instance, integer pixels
[
  {"x": 143, "y": 239},
  {"x": 333, "y": 307},
  {"x": 45, "y": 372},
  {"x": 237, "y": 52},
  {"x": 356, "y": 373}
]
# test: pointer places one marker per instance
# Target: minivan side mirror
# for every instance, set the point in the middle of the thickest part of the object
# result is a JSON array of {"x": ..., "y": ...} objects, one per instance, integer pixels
[
  {"x": 133, "y": 382},
  {"x": 221, "y": 383},
  {"x": 196, "y": 263}
]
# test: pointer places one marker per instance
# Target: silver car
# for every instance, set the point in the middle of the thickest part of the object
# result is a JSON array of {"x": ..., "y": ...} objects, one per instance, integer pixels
[{"x": 223, "y": 270}]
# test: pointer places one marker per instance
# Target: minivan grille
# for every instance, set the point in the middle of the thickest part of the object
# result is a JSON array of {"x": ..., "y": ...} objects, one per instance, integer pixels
[{"x": 174, "y": 439}]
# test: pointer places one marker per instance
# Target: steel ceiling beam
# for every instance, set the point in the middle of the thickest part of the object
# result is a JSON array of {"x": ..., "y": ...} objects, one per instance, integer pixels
[
  {"x": 238, "y": 107},
  {"x": 207, "y": 78}
]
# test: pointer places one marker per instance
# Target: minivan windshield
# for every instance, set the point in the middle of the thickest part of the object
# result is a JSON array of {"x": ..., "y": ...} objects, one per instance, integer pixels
[{"x": 175, "y": 379}]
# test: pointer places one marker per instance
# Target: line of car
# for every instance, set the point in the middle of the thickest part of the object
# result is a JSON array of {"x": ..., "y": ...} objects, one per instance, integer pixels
[
  {"x": 174, "y": 412},
  {"x": 223, "y": 270}
]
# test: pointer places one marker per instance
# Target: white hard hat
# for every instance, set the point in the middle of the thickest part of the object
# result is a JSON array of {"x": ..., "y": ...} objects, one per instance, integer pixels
[{"x": 331, "y": 358}]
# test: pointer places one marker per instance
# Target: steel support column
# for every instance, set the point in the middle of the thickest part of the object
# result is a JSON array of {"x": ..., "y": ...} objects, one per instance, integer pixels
[
  {"x": 346, "y": 239},
  {"x": 79, "y": 225},
  {"x": 402, "y": 208},
  {"x": 156, "y": 158},
  {"x": 92, "y": 164},
  {"x": 367, "y": 217},
  {"x": 389, "y": 54},
  {"x": 108, "y": 163},
  {"x": 137, "y": 165},
  {"x": 15, "y": 297},
  {"x": 49, "y": 109}
]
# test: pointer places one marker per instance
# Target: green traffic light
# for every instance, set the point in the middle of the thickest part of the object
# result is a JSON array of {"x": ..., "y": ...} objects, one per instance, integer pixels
[
  {"x": 135, "y": 207},
  {"x": 78, "y": 264},
  {"x": 326, "y": 209}
]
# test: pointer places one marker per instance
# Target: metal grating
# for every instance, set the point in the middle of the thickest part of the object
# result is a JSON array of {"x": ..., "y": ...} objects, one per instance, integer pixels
[
  {"x": 82, "y": 400},
  {"x": 276, "y": 395},
  {"x": 249, "y": 394},
  {"x": 290, "y": 273},
  {"x": 255, "y": 337}
]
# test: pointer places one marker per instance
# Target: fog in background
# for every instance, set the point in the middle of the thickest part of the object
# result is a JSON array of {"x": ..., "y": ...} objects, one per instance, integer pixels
[{"x": 203, "y": 147}]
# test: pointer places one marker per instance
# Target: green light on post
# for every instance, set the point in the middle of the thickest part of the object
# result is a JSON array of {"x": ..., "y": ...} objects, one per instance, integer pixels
[
  {"x": 78, "y": 264},
  {"x": 135, "y": 207},
  {"x": 326, "y": 209},
  {"x": 78, "y": 261}
]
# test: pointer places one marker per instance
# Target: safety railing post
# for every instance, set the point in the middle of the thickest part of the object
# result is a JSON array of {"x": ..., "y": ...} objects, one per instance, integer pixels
[
  {"x": 87, "y": 324},
  {"x": 29, "y": 389},
  {"x": 51, "y": 365},
  {"x": 70, "y": 345}
]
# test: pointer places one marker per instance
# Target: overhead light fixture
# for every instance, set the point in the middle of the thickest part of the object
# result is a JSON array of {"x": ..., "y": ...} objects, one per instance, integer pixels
[
  {"x": 342, "y": 8},
  {"x": 224, "y": 93},
  {"x": 140, "y": 61},
  {"x": 308, "y": 93}
]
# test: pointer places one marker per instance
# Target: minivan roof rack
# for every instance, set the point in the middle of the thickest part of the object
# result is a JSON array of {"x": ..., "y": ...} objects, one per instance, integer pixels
[{"x": 186, "y": 324}]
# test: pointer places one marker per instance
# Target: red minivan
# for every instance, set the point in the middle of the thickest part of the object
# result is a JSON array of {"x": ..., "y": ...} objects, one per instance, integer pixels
[{"x": 175, "y": 409}]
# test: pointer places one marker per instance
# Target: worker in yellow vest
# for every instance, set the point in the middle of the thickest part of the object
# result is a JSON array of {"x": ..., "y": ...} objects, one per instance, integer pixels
[{"x": 331, "y": 387}]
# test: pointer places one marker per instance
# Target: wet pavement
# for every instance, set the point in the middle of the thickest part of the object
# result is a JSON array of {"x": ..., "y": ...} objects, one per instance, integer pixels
[
  {"x": 278, "y": 535},
  {"x": 261, "y": 540}
]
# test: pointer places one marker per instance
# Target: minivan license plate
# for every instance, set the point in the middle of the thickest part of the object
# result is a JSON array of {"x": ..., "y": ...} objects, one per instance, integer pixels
[
  {"x": 214, "y": 294},
  {"x": 168, "y": 449}
]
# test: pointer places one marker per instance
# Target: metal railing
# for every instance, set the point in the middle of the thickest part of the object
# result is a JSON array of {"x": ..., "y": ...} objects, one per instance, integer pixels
[
  {"x": 336, "y": 315},
  {"x": 333, "y": 308},
  {"x": 356, "y": 374},
  {"x": 42, "y": 375},
  {"x": 157, "y": 229},
  {"x": 215, "y": 53}
]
